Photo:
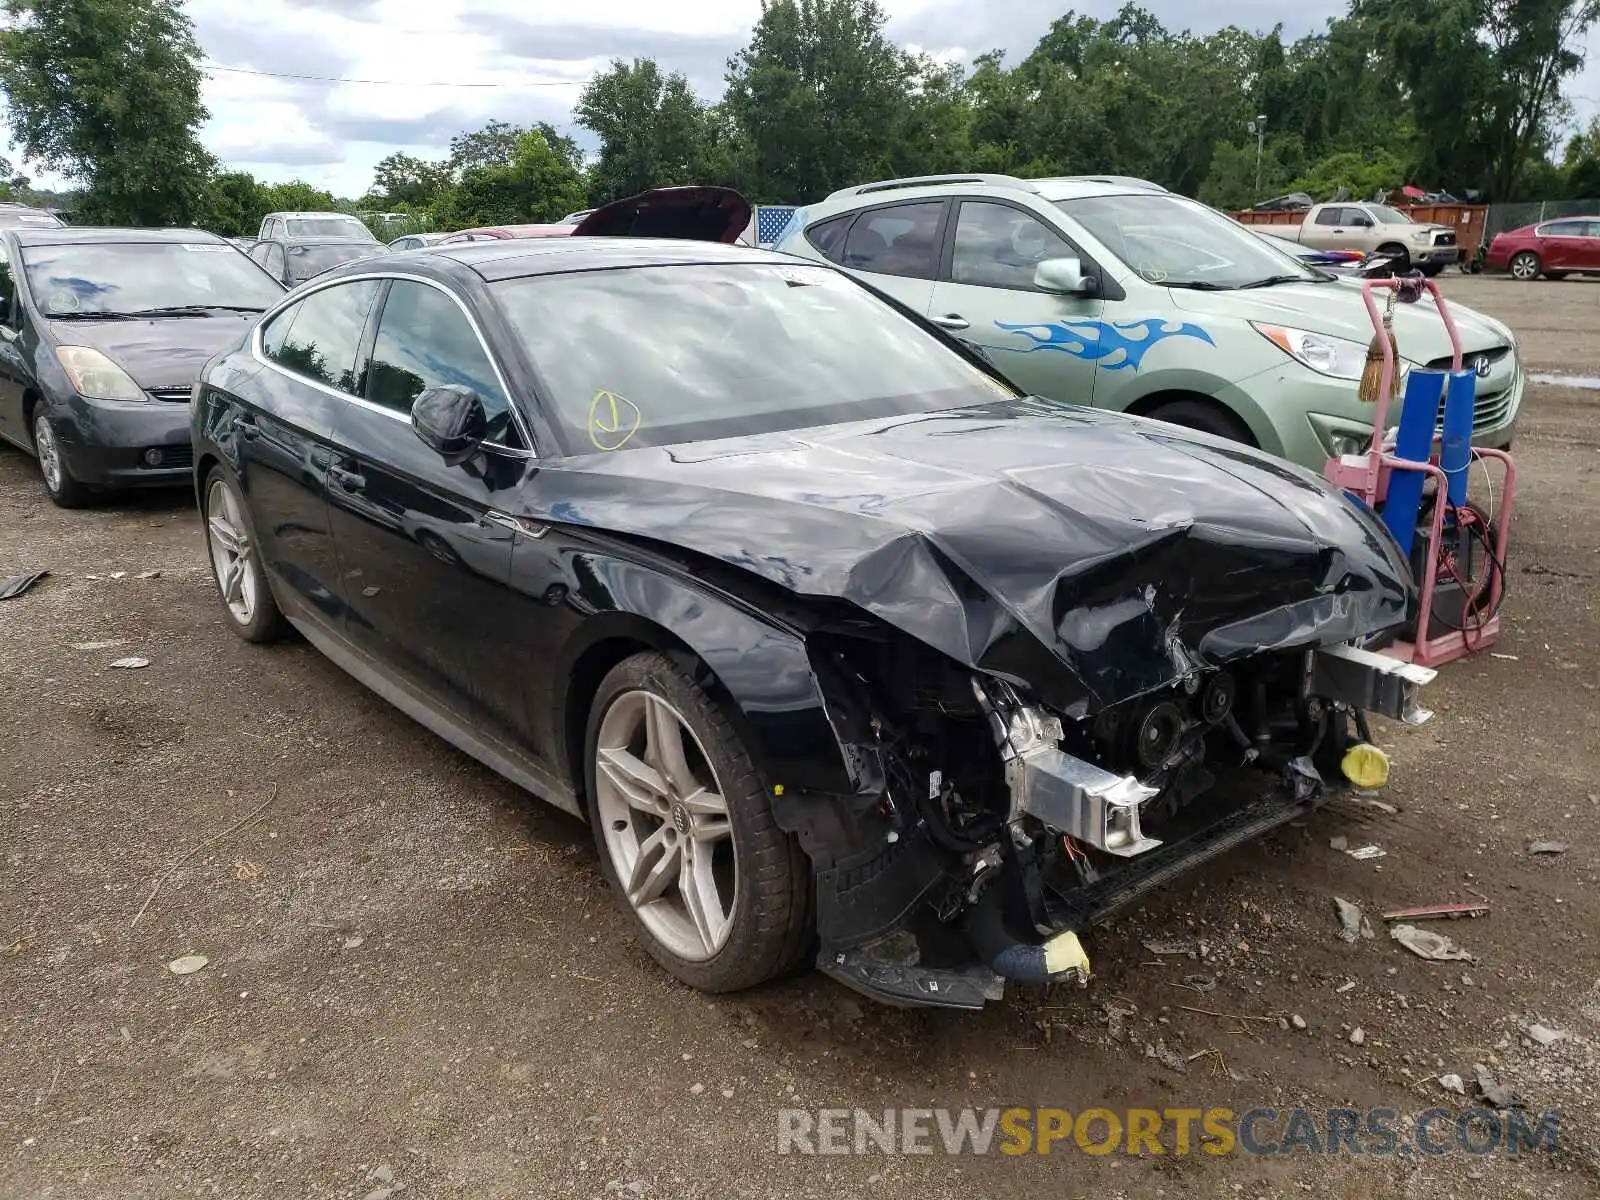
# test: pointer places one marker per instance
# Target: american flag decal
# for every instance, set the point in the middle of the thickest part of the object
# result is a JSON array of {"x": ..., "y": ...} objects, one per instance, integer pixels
[{"x": 770, "y": 220}]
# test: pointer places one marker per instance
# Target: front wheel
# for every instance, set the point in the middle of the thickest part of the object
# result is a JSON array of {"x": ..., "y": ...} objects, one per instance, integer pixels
[
  {"x": 57, "y": 475},
  {"x": 1205, "y": 417},
  {"x": 1525, "y": 266},
  {"x": 687, "y": 839},
  {"x": 1399, "y": 257}
]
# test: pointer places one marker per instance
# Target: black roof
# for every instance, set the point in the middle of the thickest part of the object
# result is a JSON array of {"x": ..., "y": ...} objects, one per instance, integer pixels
[
  {"x": 32, "y": 235},
  {"x": 513, "y": 258}
]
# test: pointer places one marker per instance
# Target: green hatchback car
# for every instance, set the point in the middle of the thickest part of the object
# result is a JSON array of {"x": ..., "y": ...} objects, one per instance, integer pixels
[{"x": 1124, "y": 296}]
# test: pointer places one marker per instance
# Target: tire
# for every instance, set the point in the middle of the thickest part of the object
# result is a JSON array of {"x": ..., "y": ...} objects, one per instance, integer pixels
[
  {"x": 1525, "y": 266},
  {"x": 1399, "y": 256},
  {"x": 1431, "y": 269},
  {"x": 66, "y": 491},
  {"x": 755, "y": 923},
  {"x": 231, "y": 542},
  {"x": 1205, "y": 417}
]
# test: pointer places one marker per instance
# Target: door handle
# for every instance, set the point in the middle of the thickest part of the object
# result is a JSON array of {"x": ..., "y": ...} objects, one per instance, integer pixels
[
  {"x": 246, "y": 427},
  {"x": 952, "y": 321},
  {"x": 350, "y": 481}
]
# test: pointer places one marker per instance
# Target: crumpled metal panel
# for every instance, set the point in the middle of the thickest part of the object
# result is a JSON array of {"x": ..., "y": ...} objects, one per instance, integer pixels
[{"x": 1092, "y": 556}]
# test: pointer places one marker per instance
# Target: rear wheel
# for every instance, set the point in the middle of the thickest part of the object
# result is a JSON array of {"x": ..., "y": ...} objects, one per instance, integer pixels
[
  {"x": 687, "y": 839},
  {"x": 58, "y": 481},
  {"x": 1525, "y": 266},
  {"x": 236, "y": 563},
  {"x": 1205, "y": 417}
]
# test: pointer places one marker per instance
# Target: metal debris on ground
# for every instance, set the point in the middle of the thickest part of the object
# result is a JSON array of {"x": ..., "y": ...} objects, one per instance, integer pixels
[
  {"x": 1347, "y": 985},
  {"x": 1432, "y": 912},
  {"x": 1167, "y": 1057},
  {"x": 1352, "y": 924},
  {"x": 133, "y": 663},
  {"x": 1546, "y": 1036},
  {"x": 1369, "y": 799},
  {"x": 1366, "y": 852},
  {"x": 12, "y": 586},
  {"x": 1549, "y": 847},
  {"x": 1427, "y": 944},
  {"x": 1499, "y": 1095},
  {"x": 1168, "y": 946},
  {"x": 1506, "y": 657},
  {"x": 188, "y": 964},
  {"x": 98, "y": 645}
]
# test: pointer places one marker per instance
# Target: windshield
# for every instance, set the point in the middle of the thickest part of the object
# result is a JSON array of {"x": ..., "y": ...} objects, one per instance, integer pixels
[
  {"x": 131, "y": 277},
  {"x": 306, "y": 261},
  {"x": 327, "y": 227},
  {"x": 22, "y": 219},
  {"x": 1389, "y": 216},
  {"x": 655, "y": 356},
  {"x": 1178, "y": 243}
]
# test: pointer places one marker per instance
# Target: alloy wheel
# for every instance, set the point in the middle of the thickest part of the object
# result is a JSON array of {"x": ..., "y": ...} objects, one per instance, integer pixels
[
  {"x": 1524, "y": 266},
  {"x": 44, "y": 444},
  {"x": 233, "y": 556},
  {"x": 666, "y": 825}
]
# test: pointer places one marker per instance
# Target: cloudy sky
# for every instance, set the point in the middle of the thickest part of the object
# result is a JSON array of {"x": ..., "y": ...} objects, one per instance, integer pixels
[{"x": 526, "y": 60}]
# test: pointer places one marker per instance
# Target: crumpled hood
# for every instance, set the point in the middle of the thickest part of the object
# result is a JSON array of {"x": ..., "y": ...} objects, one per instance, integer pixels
[
  {"x": 1337, "y": 309},
  {"x": 705, "y": 214},
  {"x": 1090, "y": 555},
  {"x": 163, "y": 353}
]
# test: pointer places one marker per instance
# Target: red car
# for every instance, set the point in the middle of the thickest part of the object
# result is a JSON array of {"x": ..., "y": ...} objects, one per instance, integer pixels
[
  {"x": 1555, "y": 249},
  {"x": 489, "y": 233}
]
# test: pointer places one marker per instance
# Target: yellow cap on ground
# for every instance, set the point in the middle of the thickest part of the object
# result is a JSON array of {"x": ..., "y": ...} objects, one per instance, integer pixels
[{"x": 1365, "y": 766}]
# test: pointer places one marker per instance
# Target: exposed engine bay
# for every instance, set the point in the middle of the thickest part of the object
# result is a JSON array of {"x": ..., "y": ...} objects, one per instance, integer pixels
[{"x": 997, "y": 829}]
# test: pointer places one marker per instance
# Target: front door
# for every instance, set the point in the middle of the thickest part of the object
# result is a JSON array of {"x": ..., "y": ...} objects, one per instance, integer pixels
[
  {"x": 15, "y": 374},
  {"x": 424, "y": 547},
  {"x": 282, "y": 447},
  {"x": 1045, "y": 343}
]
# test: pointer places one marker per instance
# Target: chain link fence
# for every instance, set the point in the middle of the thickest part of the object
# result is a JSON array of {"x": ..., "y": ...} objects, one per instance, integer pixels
[{"x": 1503, "y": 217}]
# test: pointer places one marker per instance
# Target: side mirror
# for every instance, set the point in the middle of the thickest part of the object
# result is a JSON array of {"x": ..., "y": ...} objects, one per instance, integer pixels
[
  {"x": 451, "y": 421},
  {"x": 1063, "y": 276}
]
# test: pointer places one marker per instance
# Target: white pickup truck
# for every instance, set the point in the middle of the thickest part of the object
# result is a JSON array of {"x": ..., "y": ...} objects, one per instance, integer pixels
[{"x": 1370, "y": 228}]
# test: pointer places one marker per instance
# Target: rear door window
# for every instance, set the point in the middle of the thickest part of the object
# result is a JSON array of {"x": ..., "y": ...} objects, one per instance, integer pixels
[
  {"x": 319, "y": 339},
  {"x": 828, "y": 236},
  {"x": 902, "y": 239}
]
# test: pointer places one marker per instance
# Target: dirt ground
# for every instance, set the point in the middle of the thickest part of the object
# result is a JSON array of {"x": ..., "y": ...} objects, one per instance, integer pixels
[{"x": 418, "y": 985}]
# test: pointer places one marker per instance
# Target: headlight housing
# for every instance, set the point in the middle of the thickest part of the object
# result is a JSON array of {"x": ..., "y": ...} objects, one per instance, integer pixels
[
  {"x": 96, "y": 377},
  {"x": 1336, "y": 357}
]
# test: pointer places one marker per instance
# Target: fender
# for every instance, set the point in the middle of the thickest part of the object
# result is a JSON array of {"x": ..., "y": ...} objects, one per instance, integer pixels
[{"x": 758, "y": 666}]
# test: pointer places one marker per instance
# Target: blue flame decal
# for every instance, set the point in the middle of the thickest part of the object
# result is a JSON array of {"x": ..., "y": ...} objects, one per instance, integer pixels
[{"x": 1099, "y": 341}]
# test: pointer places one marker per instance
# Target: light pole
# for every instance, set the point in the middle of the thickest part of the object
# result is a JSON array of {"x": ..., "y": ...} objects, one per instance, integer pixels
[{"x": 1259, "y": 128}]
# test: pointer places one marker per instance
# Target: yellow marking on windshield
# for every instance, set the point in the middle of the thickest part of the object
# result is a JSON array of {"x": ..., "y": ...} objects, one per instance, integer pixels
[{"x": 613, "y": 419}]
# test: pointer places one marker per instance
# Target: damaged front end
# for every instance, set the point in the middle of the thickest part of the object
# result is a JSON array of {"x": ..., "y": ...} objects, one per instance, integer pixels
[{"x": 992, "y": 830}]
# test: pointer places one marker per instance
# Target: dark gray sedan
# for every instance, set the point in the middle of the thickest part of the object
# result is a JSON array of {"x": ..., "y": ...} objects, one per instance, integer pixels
[{"x": 102, "y": 333}]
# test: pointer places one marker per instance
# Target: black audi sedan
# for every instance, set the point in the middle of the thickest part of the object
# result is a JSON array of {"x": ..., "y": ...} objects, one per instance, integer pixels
[
  {"x": 102, "y": 332},
  {"x": 846, "y": 650}
]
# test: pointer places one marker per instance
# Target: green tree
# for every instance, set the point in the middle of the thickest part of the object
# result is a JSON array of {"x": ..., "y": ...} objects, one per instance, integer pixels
[
  {"x": 108, "y": 93},
  {"x": 535, "y": 184},
  {"x": 1484, "y": 79},
  {"x": 234, "y": 205},
  {"x": 404, "y": 180},
  {"x": 818, "y": 99},
  {"x": 492, "y": 146},
  {"x": 652, "y": 130}
]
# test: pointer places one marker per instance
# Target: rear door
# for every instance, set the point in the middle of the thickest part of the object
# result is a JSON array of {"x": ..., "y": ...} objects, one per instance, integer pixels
[
  {"x": 15, "y": 371},
  {"x": 895, "y": 247},
  {"x": 1590, "y": 248},
  {"x": 425, "y": 546},
  {"x": 1043, "y": 342}
]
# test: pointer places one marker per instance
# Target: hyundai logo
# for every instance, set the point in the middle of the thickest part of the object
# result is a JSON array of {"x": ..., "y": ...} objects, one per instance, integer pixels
[{"x": 1482, "y": 366}]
